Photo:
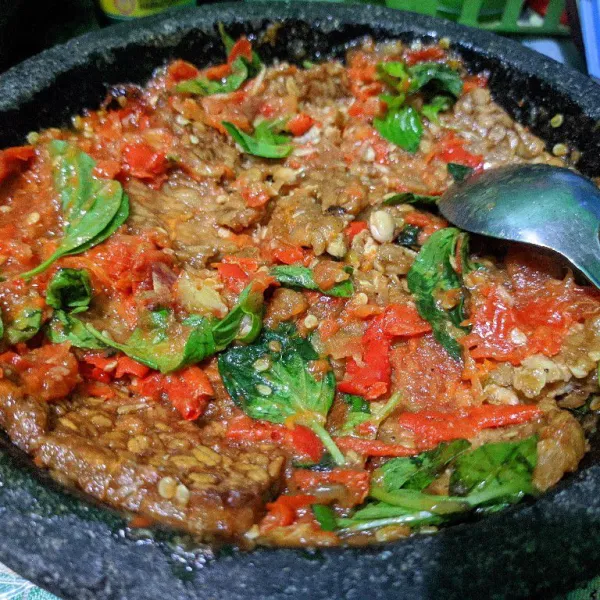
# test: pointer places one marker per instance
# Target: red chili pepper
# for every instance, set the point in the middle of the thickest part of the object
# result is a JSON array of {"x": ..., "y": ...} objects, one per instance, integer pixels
[
  {"x": 250, "y": 265},
  {"x": 288, "y": 255},
  {"x": 12, "y": 160},
  {"x": 450, "y": 149},
  {"x": 255, "y": 195},
  {"x": 373, "y": 447},
  {"x": 306, "y": 443},
  {"x": 472, "y": 82},
  {"x": 300, "y": 124},
  {"x": 97, "y": 367},
  {"x": 372, "y": 379},
  {"x": 355, "y": 228},
  {"x": 143, "y": 162},
  {"x": 431, "y": 427},
  {"x": 128, "y": 366},
  {"x": 241, "y": 48},
  {"x": 180, "y": 70},
  {"x": 433, "y": 53},
  {"x": 217, "y": 72},
  {"x": 233, "y": 276},
  {"x": 403, "y": 320},
  {"x": 98, "y": 389},
  {"x": 107, "y": 169},
  {"x": 150, "y": 386},
  {"x": 189, "y": 391},
  {"x": 282, "y": 512}
]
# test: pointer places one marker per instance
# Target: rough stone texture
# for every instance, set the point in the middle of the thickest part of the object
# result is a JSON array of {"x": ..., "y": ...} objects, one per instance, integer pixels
[{"x": 80, "y": 550}]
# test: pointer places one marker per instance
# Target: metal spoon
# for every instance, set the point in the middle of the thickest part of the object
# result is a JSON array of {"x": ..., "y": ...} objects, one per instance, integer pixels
[{"x": 541, "y": 205}]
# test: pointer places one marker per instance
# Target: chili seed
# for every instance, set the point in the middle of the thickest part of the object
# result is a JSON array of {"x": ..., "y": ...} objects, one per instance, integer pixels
[
  {"x": 310, "y": 321},
  {"x": 33, "y": 218},
  {"x": 275, "y": 346},
  {"x": 264, "y": 390},
  {"x": 182, "y": 495},
  {"x": 560, "y": 150},
  {"x": 557, "y": 120},
  {"x": 167, "y": 487},
  {"x": 262, "y": 364}
]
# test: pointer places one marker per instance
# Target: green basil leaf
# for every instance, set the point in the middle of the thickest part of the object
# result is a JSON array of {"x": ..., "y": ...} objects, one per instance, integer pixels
[
  {"x": 69, "y": 289},
  {"x": 244, "y": 321},
  {"x": 393, "y": 69},
  {"x": 402, "y": 127},
  {"x": 325, "y": 516},
  {"x": 227, "y": 40},
  {"x": 459, "y": 172},
  {"x": 437, "y": 105},
  {"x": 379, "y": 514},
  {"x": 409, "y": 236},
  {"x": 160, "y": 350},
  {"x": 166, "y": 346},
  {"x": 254, "y": 66},
  {"x": 496, "y": 472},
  {"x": 439, "y": 74},
  {"x": 410, "y": 198},
  {"x": 393, "y": 73},
  {"x": 202, "y": 86},
  {"x": 264, "y": 143},
  {"x": 418, "y": 472},
  {"x": 392, "y": 101},
  {"x": 271, "y": 380},
  {"x": 92, "y": 208},
  {"x": 65, "y": 328},
  {"x": 298, "y": 277},
  {"x": 487, "y": 479},
  {"x": 357, "y": 404},
  {"x": 359, "y": 411},
  {"x": 431, "y": 275},
  {"x": 25, "y": 325}
]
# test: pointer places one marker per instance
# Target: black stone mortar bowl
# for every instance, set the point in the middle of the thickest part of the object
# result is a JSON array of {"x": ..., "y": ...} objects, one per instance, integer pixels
[{"x": 80, "y": 550}]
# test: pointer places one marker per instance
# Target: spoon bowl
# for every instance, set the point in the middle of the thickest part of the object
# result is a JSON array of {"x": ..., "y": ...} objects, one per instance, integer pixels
[{"x": 542, "y": 205}]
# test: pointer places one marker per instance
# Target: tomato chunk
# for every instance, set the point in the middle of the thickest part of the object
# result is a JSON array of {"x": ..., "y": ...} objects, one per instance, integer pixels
[
  {"x": 143, "y": 162},
  {"x": 300, "y": 124},
  {"x": 12, "y": 160}
]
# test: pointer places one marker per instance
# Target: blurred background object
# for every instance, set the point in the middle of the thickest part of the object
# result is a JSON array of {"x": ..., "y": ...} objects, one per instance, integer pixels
[
  {"x": 121, "y": 10},
  {"x": 549, "y": 26},
  {"x": 590, "y": 28}
]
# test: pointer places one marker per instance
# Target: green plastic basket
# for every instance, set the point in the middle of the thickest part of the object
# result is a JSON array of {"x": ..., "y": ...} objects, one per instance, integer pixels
[{"x": 504, "y": 16}]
